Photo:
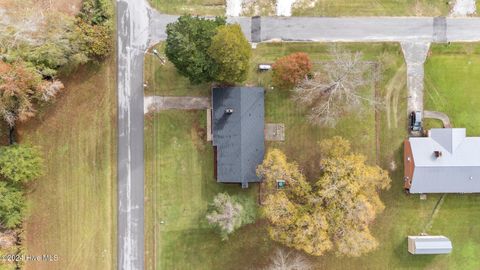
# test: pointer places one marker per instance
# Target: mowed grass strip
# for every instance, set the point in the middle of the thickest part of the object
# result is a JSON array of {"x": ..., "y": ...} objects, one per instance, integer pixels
[
  {"x": 72, "y": 207},
  {"x": 372, "y": 8},
  {"x": 194, "y": 7}
]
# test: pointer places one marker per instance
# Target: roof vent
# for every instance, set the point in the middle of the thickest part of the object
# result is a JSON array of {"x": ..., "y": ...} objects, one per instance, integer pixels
[
  {"x": 437, "y": 154},
  {"x": 228, "y": 110}
]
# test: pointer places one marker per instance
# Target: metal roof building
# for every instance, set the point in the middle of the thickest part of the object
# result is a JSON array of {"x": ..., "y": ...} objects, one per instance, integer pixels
[
  {"x": 429, "y": 245},
  {"x": 447, "y": 161},
  {"x": 238, "y": 133}
]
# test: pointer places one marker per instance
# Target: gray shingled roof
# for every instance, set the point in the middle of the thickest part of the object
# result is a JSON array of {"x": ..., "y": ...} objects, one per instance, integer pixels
[
  {"x": 239, "y": 136},
  {"x": 456, "y": 171}
]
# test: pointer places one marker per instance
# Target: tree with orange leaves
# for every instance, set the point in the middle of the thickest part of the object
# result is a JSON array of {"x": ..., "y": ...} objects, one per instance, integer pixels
[{"x": 291, "y": 69}]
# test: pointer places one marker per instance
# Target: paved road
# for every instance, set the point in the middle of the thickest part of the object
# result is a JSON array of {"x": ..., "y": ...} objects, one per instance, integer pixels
[
  {"x": 132, "y": 41},
  {"x": 369, "y": 29},
  {"x": 349, "y": 29}
]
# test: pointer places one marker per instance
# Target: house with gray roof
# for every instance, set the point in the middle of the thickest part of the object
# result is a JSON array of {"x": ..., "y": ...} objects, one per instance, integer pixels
[
  {"x": 238, "y": 133},
  {"x": 427, "y": 244},
  {"x": 446, "y": 161}
]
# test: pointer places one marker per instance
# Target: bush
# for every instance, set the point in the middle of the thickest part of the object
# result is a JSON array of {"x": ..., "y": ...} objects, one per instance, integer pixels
[
  {"x": 12, "y": 206},
  {"x": 231, "y": 52},
  {"x": 20, "y": 164},
  {"x": 290, "y": 70}
]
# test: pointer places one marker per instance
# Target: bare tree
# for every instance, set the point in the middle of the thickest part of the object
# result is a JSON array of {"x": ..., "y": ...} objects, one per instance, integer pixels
[
  {"x": 336, "y": 90},
  {"x": 288, "y": 260}
]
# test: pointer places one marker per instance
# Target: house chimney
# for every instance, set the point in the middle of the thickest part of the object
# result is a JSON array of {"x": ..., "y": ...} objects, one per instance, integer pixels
[
  {"x": 437, "y": 154},
  {"x": 228, "y": 110}
]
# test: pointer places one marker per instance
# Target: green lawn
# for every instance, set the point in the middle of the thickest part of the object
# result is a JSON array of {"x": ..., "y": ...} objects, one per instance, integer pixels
[
  {"x": 72, "y": 207},
  {"x": 452, "y": 79},
  {"x": 194, "y": 7},
  {"x": 180, "y": 182},
  {"x": 374, "y": 8}
]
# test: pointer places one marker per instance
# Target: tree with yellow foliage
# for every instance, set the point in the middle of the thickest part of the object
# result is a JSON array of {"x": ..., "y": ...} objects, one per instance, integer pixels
[{"x": 334, "y": 213}]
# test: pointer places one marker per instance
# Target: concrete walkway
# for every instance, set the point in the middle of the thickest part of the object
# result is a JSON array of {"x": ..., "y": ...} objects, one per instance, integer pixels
[
  {"x": 158, "y": 103},
  {"x": 438, "y": 115}
]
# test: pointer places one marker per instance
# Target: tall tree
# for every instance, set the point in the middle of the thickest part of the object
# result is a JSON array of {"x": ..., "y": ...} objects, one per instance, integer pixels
[
  {"x": 188, "y": 40},
  {"x": 20, "y": 163},
  {"x": 335, "y": 212},
  {"x": 348, "y": 190},
  {"x": 12, "y": 206},
  {"x": 295, "y": 220},
  {"x": 336, "y": 90},
  {"x": 289, "y": 70},
  {"x": 231, "y": 52},
  {"x": 227, "y": 214}
]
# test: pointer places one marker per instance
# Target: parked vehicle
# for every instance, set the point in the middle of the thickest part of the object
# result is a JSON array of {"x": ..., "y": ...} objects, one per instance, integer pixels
[
  {"x": 264, "y": 67},
  {"x": 416, "y": 121}
]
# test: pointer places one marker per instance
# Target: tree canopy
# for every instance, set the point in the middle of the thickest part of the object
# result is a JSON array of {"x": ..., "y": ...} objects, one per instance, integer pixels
[
  {"x": 18, "y": 91},
  {"x": 12, "y": 206},
  {"x": 188, "y": 41},
  {"x": 231, "y": 52},
  {"x": 289, "y": 70},
  {"x": 228, "y": 213},
  {"x": 333, "y": 213},
  {"x": 20, "y": 163}
]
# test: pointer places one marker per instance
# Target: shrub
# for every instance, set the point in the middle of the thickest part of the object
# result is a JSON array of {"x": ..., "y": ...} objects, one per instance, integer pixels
[
  {"x": 20, "y": 163},
  {"x": 291, "y": 69},
  {"x": 12, "y": 206}
]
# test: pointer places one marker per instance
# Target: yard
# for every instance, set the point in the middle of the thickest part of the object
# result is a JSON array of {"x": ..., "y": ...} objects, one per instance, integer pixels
[
  {"x": 72, "y": 207},
  {"x": 374, "y": 8},
  {"x": 194, "y": 7},
  {"x": 180, "y": 183},
  {"x": 455, "y": 87},
  {"x": 313, "y": 8}
]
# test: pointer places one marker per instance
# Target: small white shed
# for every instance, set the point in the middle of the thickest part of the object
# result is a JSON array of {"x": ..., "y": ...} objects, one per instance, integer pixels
[{"x": 429, "y": 244}]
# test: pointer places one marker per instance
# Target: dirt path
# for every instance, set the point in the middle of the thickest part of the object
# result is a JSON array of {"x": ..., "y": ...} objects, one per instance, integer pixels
[{"x": 393, "y": 90}]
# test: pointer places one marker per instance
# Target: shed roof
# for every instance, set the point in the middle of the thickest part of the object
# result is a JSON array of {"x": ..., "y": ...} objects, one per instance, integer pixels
[
  {"x": 239, "y": 135},
  {"x": 429, "y": 245},
  {"x": 456, "y": 171}
]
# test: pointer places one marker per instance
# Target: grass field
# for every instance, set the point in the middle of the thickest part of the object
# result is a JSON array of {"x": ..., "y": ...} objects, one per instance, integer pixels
[
  {"x": 72, "y": 207},
  {"x": 180, "y": 180},
  {"x": 194, "y": 7},
  {"x": 373, "y": 8}
]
